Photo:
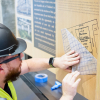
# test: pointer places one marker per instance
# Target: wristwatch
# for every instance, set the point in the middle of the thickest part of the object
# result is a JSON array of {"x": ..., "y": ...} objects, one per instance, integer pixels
[{"x": 51, "y": 60}]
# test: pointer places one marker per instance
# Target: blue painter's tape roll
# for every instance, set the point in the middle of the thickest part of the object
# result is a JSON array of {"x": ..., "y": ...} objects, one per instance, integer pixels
[{"x": 40, "y": 78}]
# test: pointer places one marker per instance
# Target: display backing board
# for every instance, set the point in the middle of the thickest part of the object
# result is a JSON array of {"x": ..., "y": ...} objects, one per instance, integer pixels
[{"x": 81, "y": 18}]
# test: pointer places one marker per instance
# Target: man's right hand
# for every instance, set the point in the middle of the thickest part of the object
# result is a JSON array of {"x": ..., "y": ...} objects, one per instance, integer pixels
[{"x": 69, "y": 86}]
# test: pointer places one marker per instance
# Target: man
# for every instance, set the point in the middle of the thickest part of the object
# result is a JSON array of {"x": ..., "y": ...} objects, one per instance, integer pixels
[{"x": 11, "y": 65}]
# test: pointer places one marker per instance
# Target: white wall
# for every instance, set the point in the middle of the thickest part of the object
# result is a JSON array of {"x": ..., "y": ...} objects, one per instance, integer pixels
[{"x": 1, "y": 21}]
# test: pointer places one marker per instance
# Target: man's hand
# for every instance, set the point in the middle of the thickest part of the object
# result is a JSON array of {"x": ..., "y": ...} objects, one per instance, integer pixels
[
  {"x": 69, "y": 86},
  {"x": 67, "y": 60}
]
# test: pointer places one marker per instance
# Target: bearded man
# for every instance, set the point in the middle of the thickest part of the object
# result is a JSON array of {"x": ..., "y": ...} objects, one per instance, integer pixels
[{"x": 11, "y": 65}]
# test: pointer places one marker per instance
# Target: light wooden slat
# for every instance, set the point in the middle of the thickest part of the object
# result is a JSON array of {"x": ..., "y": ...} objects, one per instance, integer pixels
[{"x": 97, "y": 93}]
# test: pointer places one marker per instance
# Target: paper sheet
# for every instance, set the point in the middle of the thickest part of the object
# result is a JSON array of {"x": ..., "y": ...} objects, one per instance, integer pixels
[{"x": 88, "y": 62}]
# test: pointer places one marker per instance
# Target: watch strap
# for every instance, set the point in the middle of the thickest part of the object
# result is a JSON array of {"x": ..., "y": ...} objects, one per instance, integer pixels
[{"x": 51, "y": 60}]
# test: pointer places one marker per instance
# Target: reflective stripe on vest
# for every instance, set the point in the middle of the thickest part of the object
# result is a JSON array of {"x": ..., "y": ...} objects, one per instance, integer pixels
[{"x": 4, "y": 94}]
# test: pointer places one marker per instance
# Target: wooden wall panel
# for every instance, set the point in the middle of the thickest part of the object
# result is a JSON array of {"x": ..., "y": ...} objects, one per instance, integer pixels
[
  {"x": 97, "y": 92},
  {"x": 69, "y": 15}
]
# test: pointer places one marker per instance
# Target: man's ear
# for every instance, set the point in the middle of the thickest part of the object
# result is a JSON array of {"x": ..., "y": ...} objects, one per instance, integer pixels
[
  {"x": 21, "y": 55},
  {"x": 1, "y": 67},
  {"x": 2, "y": 71}
]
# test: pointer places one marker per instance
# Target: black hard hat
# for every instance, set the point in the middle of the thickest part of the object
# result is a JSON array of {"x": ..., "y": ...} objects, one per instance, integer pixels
[{"x": 9, "y": 44}]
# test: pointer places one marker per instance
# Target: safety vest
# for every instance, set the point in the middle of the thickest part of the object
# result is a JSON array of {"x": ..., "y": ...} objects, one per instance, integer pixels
[{"x": 4, "y": 94}]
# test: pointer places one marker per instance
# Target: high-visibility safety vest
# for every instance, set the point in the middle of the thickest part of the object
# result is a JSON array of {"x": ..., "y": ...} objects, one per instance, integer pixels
[{"x": 4, "y": 94}]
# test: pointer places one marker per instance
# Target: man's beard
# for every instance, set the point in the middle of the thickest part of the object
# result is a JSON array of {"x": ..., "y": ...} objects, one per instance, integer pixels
[{"x": 13, "y": 74}]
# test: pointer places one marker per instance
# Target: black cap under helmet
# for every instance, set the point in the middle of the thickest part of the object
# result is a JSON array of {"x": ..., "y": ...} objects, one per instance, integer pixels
[{"x": 9, "y": 44}]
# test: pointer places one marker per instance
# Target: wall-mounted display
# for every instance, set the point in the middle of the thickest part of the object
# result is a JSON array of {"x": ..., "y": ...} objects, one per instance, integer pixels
[
  {"x": 24, "y": 28},
  {"x": 36, "y": 18},
  {"x": 44, "y": 25},
  {"x": 23, "y": 19},
  {"x": 24, "y": 7}
]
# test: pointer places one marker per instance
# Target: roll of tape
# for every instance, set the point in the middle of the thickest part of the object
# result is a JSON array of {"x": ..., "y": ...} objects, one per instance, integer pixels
[{"x": 41, "y": 78}]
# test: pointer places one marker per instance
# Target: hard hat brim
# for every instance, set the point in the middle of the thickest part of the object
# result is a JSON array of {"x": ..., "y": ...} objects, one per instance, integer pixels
[{"x": 21, "y": 46}]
